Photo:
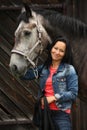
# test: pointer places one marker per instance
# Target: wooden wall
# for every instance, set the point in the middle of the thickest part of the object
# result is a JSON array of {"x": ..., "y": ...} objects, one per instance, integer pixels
[{"x": 79, "y": 11}]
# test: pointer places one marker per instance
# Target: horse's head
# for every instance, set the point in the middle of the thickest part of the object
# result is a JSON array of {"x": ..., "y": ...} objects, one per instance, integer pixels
[{"x": 31, "y": 39}]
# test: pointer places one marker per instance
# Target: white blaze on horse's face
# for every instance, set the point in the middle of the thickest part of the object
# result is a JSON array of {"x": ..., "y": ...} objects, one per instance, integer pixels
[{"x": 26, "y": 38}]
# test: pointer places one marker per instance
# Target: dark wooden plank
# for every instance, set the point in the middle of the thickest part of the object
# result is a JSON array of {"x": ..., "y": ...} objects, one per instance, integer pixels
[
  {"x": 9, "y": 24},
  {"x": 9, "y": 108},
  {"x": 4, "y": 116},
  {"x": 4, "y": 44},
  {"x": 16, "y": 98},
  {"x": 10, "y": 123},
  {"x": 5, "y": 33},
  {"x": 7, "y": 28},
  {"x": 13, "y": 14},
  {"x": 4, "y": 58},
  {"x": 37, "y": 4}
]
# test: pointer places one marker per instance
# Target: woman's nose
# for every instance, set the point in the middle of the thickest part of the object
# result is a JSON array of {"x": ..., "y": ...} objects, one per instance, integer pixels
[{"x": 58, "y": 51}]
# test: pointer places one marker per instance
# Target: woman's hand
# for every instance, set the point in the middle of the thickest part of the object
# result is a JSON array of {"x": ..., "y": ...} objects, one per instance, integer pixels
[{"x": 50, "y": 99}]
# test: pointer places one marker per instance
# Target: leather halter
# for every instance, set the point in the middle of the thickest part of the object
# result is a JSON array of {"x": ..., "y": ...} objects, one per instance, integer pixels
[{"x": 26, "y": 55}]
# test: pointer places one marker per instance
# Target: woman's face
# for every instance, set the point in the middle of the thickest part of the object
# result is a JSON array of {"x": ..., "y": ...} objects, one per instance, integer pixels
[{"x": 58, "y": 51}]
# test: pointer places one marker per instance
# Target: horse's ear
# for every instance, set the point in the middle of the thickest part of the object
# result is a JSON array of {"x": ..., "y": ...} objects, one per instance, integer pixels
[{"x": 27, "y": 10}]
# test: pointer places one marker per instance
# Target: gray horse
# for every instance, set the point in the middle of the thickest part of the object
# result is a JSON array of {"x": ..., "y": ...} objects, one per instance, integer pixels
[{"x": 37, "y": 29}]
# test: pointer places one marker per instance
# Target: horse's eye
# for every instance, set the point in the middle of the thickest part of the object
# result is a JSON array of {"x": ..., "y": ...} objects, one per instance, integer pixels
[{"x": 27, "y": 33}]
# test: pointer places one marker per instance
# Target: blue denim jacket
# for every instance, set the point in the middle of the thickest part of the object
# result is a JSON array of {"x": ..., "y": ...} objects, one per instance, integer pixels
[{"x": 65, "y": 83}]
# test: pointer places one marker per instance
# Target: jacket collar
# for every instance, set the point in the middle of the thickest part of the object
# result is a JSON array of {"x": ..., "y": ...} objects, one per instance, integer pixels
[{"x": 61, "y": 67}]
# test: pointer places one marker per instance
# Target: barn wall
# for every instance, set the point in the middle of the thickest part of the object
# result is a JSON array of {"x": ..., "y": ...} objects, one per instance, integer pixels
[{"x": 82, "y": 13}]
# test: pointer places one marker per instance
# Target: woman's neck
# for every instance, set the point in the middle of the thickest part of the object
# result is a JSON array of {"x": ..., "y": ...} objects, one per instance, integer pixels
[{"x": 55, "y": 64}]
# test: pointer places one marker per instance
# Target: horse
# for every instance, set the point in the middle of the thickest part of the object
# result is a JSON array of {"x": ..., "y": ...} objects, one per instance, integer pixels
[{"x": 37, "y": 29}]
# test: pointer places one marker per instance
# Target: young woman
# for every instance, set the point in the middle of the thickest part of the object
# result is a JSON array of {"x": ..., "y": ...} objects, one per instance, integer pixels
[{"x": 59, "y": 81}]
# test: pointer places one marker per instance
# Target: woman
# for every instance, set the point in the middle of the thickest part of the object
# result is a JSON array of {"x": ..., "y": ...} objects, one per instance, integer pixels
[{"x": 59, "y": 82}]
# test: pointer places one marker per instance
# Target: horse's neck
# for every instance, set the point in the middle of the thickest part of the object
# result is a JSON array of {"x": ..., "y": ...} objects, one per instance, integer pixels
[{"x": 67, "y": 26}]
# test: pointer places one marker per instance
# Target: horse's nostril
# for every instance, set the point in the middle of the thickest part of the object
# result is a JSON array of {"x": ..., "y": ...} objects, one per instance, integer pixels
[{"x": 14, "y": 68}]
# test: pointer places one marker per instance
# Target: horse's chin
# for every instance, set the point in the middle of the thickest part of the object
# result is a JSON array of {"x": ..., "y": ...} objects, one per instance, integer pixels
[{"x": 19, "y": 74}]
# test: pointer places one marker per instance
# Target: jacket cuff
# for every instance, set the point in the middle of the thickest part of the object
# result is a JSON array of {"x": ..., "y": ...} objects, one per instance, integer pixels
[{"x": 57, "y": 96}]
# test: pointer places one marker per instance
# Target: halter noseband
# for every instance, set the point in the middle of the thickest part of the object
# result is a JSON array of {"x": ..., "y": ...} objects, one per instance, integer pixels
[{"x": 26, "y": 55}]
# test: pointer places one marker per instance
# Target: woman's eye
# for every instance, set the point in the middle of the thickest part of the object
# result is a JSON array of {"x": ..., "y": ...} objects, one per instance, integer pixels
[
  {"x": 55, "y": 48},
  {"x": 62, "y": 50}
]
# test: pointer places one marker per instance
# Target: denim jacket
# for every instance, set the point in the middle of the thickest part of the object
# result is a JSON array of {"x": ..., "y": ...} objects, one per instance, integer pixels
[{"x": 64, "y": 81}]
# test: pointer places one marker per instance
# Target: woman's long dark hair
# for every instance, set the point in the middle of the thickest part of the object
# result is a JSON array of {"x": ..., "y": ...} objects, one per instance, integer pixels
[{"x": 68, "y": 53}]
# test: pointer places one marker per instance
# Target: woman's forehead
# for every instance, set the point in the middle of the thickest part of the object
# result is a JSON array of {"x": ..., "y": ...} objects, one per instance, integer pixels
[{"x": 60, "y": 43}]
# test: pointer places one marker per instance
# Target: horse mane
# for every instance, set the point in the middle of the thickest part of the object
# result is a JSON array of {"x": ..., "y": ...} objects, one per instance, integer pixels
[
  {"x": 69, "y": 25},
  {"x": 66, "y": 25}
]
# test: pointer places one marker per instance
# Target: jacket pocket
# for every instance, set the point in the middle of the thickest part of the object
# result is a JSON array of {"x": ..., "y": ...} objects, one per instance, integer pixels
[{"x": 62, "y": 84}]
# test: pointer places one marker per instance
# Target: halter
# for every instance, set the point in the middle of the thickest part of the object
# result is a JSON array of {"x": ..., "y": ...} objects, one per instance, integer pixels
[{"x": 26, "y": 55}]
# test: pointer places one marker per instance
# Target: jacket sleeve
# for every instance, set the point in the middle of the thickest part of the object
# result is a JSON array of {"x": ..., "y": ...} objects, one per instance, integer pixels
[
  {"x": 32, "y": 73},
  {"x": 28, "y": 76},
  {"x": 72, "y": 87}
]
